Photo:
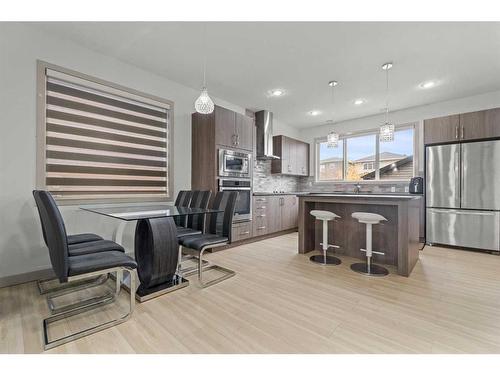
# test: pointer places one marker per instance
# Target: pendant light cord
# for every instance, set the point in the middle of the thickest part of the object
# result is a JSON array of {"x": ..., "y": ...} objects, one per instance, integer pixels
[
  {"x": 387, "y": 95},
  {"x": 204, "y": 55},
  {"x": 333, "y": 104}
]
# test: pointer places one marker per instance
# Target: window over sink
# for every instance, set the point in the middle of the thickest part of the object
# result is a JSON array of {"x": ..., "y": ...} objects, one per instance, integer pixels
[{"x": 363, "y": 157}]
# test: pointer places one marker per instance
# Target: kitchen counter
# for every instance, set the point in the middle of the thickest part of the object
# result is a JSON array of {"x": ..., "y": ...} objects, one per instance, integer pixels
[
  {"x": 264, "y": 193},
  {"x": 398, "y": 237}
]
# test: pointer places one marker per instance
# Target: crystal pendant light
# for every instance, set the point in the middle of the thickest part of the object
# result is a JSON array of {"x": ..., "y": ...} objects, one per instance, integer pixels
[
  {"x": 387, "y": 128},
  {"x": 204, "y": 103},
  {"x": 332, "y": 140}
]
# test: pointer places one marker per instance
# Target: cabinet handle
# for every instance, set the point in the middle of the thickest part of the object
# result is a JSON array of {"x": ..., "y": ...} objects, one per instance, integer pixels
[
  {"x": 462, "y": 132},
  {"x": 260, "y": 200},
  {"x": 243, "y": 233},
  {"x": 261, "y": 207},
  {"x": 456, "y": 132},
  {"x": 263, "y": 215},
  {"x": 259, "y": 228}
]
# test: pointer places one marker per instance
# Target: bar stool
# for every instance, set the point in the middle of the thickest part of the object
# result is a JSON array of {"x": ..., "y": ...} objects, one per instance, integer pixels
[
  {"x": 325, "y": 216},
  {"x": 368, "y": 268}
]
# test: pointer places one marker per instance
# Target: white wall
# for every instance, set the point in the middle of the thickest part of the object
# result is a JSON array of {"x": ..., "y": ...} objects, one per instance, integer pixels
[
  {"x": 21, "y": 246},
  {"x": 408, "y": 115}
]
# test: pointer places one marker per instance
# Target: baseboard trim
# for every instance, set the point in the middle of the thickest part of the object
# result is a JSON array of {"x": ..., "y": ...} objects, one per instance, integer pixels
[{"x": 26, "y": 277}]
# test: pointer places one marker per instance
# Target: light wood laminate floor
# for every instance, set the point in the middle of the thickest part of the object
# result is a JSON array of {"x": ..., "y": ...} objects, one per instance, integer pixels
[{"x": 280, "y": 302}]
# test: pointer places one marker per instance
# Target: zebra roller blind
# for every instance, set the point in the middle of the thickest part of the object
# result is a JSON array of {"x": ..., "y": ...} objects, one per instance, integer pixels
[{"x": 102, "y": 142}]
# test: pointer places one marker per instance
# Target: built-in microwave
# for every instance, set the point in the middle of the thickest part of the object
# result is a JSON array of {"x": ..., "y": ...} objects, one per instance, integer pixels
[{"x": 234, "y": 163}]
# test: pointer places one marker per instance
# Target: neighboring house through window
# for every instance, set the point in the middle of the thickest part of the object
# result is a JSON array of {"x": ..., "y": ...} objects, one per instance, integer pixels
[{"x": 356, "y": 157}]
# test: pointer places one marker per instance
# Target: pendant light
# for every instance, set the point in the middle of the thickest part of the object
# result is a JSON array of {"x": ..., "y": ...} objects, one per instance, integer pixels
[
  {"x": 387, "y": 128},
  {"x": 204, "y": 103},
  {"x": 332, "y": 140}
]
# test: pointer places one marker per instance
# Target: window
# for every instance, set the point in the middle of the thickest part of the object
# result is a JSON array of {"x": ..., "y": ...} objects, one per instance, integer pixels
[
  {"x": 331, "y": 164},
  {"x": 360, "y": 151},
  {"x": 98, "y": 141},
  {"x": 368, "y": 159}
]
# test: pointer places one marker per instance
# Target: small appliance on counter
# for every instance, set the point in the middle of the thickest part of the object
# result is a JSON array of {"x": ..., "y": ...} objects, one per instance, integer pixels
[{"x": 416, "y": 185}]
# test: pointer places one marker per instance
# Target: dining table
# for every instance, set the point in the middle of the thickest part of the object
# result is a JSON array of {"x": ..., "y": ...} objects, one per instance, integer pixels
[{"x": 156, "y": 247}]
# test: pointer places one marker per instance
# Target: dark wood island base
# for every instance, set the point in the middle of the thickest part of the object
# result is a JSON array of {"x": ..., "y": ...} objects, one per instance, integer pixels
[{"x": 398, "y": 237}]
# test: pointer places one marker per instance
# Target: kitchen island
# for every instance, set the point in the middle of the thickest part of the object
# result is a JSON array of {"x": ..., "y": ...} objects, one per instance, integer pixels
[{"x": 398, "y": 237}]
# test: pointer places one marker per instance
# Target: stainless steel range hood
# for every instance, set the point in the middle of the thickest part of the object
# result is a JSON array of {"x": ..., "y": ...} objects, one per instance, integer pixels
[{"x": 264, "y": 124}]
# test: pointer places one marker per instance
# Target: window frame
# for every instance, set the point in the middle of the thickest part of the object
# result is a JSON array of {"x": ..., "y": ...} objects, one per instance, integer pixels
[
  {"x": 376, "y": 180},
  {"x": 42, "y": 66}
]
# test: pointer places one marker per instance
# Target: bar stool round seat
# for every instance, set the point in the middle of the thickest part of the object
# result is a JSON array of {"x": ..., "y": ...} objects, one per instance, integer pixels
[
  {"x": 325, "y": 259},
  {"x": 368, "y": 268}
]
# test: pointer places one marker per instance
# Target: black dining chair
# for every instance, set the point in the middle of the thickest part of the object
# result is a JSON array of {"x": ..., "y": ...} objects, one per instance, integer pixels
[
  {"x": 73, "y": 268},
  {"x": 183, "y": 200},
  {"x": 217, "y": 234},
  {"x": 78, "y": 244},
  {"x": 195, "y": 223}
]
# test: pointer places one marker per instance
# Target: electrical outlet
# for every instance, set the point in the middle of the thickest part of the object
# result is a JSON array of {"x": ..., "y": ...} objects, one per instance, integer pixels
[{"x": 393, "y": 189}]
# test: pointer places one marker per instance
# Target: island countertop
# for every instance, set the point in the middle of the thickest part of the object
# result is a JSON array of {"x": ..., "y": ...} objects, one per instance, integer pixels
[
  {"x": 398, "y": 237},
  {"x": 403, "y": 196}
]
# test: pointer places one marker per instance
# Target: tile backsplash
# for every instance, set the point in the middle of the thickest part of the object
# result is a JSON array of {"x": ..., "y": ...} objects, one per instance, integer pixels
[
  {"x": 264, "y": 181},
  {"x": 308, "y": 184}
]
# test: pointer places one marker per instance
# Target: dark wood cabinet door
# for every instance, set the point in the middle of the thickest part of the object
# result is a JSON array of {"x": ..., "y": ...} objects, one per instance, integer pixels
[
  {"x": 480, "y": 125},
  {"x": 244, "y": 132},
  {"x": 277, "y": 164},
  {"x": 286, "y": 162},
  {"x": 303, "y": 159},
  {"x": 289, "y": 212},
  {"x": 273, "y": 214},
  {"x": 294, "y": 160},
  {"x": 225, "y": 127},
  {"x": 442, "y": 129}
]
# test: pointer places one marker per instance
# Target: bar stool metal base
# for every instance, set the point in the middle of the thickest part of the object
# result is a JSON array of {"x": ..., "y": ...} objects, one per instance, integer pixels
[
  {"x": 375, "y": 270},
  {"x": 325, "y": 260}
]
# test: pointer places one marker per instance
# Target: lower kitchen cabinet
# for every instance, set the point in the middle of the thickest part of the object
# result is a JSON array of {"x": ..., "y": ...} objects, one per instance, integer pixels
[
  {"x": 289, "y": 212},
  {"x": 241, "y": 231},
  {"x": 274, "y": 213},
  {"x": 271, "y": 214}
]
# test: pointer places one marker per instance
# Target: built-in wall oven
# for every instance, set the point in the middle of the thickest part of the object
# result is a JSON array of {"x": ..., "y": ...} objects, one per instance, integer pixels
[
  {"x": 243, "y": 209},
  {"x": 234, "y": 163}
]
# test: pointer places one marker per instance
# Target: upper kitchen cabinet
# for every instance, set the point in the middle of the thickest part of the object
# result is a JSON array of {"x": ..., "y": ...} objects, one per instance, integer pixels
[
  {"x": 463, "y": 127},
  {"x": 480, "y": 125},
  {"x": 293, "y": 156},
  {"x": 245, "y": 128},
  {"x": 233, "y": 129},
  {"x": 442, "y": 129}
]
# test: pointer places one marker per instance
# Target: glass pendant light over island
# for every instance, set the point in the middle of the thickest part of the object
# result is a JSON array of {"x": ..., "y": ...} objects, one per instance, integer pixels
[
  {"x": 387, "y": 128},
  {"x": 333, "y": 137}
]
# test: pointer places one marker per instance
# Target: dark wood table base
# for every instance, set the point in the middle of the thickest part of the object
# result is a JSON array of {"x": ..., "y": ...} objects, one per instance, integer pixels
[{"x": 156, "y": 253}]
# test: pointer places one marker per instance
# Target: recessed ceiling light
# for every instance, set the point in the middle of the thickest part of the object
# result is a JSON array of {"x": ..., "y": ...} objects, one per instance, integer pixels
[
  {"x": 359, "y": 101},
  {"x": 427, "y": 85},
  {"x": 276, "y": 92},
  {"x": 314, "y": 112}
]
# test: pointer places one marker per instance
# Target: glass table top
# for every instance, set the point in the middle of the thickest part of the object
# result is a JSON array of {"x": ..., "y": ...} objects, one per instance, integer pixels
[{"x": 139, "y": 212}]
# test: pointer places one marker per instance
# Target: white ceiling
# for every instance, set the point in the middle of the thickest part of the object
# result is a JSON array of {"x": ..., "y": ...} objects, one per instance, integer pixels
[{"x": 245, "y": 60}]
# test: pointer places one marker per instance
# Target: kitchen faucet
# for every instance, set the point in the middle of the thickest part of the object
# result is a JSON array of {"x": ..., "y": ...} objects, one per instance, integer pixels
[{"x": 357, "y": 188}]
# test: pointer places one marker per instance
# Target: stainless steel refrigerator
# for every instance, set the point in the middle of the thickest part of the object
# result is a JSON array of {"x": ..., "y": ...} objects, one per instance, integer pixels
[{"x": 463, "y": 195}]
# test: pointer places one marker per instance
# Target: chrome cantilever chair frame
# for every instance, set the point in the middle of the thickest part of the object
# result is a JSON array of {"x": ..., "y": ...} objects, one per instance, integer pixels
[
  {"x": 204, "y": 265},
  {"x": 78, "y": 285},
  {"x": 90, "y": 306},
  {"x": 70, "y": 287}
]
